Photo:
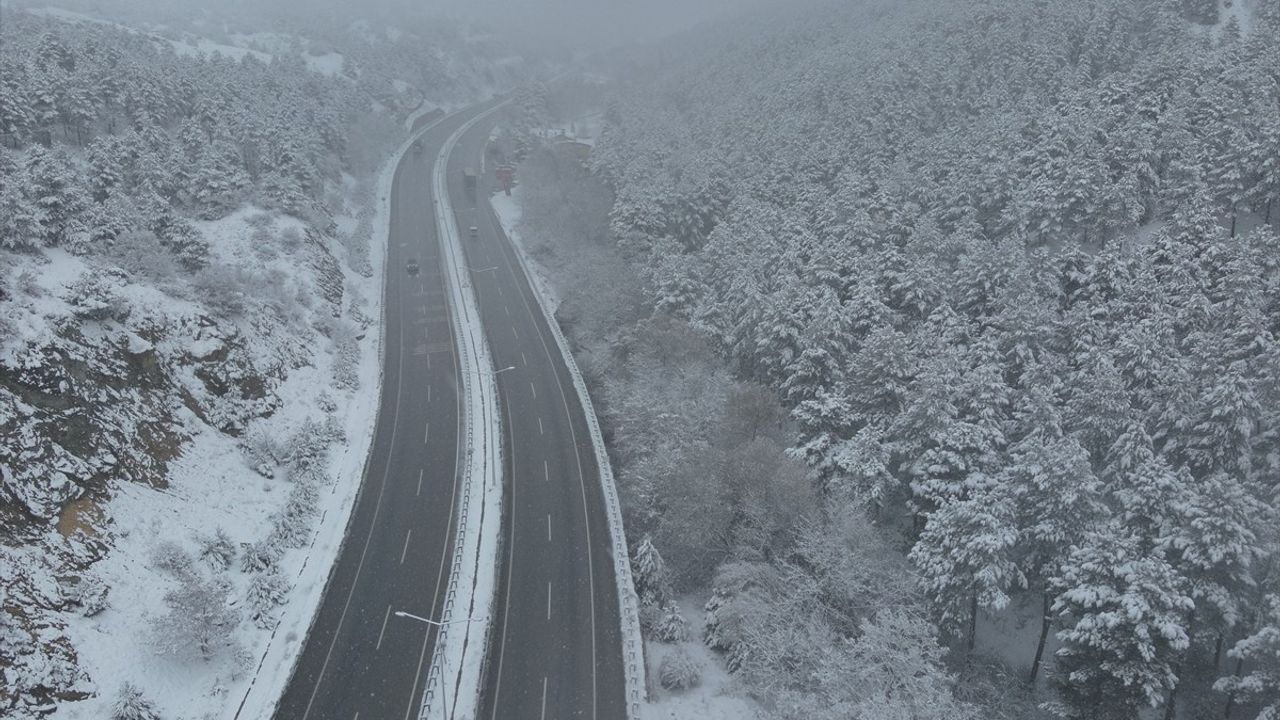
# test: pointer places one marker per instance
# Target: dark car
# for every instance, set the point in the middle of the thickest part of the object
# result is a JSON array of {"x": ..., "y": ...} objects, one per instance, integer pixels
[{"x": 412, "y": 266}]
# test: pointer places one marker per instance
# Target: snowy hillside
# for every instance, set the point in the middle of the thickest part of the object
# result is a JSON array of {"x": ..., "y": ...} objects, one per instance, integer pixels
[{"x": 190, "y": 282}]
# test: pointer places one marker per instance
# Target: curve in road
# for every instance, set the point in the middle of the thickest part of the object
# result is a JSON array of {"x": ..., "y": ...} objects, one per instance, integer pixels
[
  {"x": 360, "y": 659},
  {"x": 556, "y": 651}
]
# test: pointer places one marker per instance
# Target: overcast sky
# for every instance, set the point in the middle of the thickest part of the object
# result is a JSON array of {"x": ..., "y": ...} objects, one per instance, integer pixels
[{"x": 596, "y": 22}]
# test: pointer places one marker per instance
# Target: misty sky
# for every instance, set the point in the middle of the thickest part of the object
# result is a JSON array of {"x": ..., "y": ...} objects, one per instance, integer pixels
[{"x": 596, "y": 21}]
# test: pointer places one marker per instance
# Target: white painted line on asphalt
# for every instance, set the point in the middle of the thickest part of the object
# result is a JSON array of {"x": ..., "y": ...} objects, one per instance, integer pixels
[
  {"x": 426, "y": 433},
  {"x": 428, "y": 361},
  {"x": 384, "y": 628},
  {"x": 523, "y": 360},
  {"x": 546, "y": 471},
  {"x": 548, "y": 527},
  {"x": 548, "y": 599},
  {"x": 540, "y": 430},
  {"x": 534, "y": 389},
  {"x": 405, "y": 551},
  {"x": 515, "y": 332},
  {"x": 428, "y": 392},
  {"x": 419, "y": 492},
  {"x": 544, "y": 698},
  {"x": 504, "y": 307}
]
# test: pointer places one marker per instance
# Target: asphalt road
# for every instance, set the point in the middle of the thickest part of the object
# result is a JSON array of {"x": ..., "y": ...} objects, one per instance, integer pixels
[
  {"x": 556, "y": 650},
  {"x": 361, "y": 660}
]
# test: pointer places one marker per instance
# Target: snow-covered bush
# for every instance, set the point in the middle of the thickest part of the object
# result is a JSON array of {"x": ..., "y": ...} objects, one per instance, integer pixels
[
  {"x": 221, "y": 288},
  {"x": 142, "y": 254},
  {"x": 200, "y": 622},
  {"x": 671, "y": 626},
  {"x": 131, "y": 704},
  {"x": 266, "y": 592},
  {"x": 357, "y": 245},
  {"x": 262, "y": 555},
  {"x": 94, "y": 298},
  {"x": 171, "y": 557},
  {"x": 91, "y": 595},
  {"x": 346, "y": 358},
  {"x": 291, "y": 528},
  {"x": 326, "y": 403},
  {"x": 217, "y": 551},
  {"x": 186, "y": 243},
  {"x": 264, "y": 449},
  {"x": 28, "y": 284},
  {"x": 678, "y": 671}
]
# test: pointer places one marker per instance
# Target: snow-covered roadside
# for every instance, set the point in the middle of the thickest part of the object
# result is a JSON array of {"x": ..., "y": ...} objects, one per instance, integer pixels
[
  {"x": 715, "y": 697},
  {"x": 507, "y": 208},
  {"x": 212, "y": 475},
  {"x": 633, "y": 648},
  {"x": 281, "y": 656}
]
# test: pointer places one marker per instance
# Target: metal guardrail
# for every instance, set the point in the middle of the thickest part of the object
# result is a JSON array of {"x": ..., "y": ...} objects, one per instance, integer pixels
[
  {"x": 473, "y": 357},
  {"x": 628, "y": 603}
]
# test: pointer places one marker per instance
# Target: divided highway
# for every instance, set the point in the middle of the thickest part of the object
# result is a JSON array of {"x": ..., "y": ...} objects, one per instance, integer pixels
[
  {"x": 360, "y": 660},
  {"x": 556, "y": 649}
]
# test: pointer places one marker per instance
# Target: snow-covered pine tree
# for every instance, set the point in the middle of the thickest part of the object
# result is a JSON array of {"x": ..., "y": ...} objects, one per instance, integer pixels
[
  {"x": 131, "y": 704},
  {"x": 967, "y": 557},
  {"x": 22, "y": 221},
  {"x": 653, "y": 583},
  {"x": 199, "y": 622},
  {"x": 1124, "y": 611}
]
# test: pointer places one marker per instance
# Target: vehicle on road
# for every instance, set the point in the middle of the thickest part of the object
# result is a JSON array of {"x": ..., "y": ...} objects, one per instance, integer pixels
[
  {"x": 469, "y": 182},
  {"x": 412, "y": 266},
  {"x": 474, "y": 232}
]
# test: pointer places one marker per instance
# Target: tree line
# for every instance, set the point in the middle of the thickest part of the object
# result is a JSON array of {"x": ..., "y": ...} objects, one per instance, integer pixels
[{"x": 1013, "y": 270}]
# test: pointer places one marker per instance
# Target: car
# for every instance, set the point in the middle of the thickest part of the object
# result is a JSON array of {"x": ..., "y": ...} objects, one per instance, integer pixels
[
  {"x": 412, "y": 266},
  {"x": 475, "y": 232}
]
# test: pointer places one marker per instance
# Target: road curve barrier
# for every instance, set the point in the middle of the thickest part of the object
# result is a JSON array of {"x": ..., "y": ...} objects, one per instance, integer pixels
[
  {"x": 453, "y": 679},
  {"x": 628, "y": 602}
]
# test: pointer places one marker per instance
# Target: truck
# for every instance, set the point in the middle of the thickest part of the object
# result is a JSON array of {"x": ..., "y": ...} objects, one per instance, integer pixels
[{"x": 469, "y": 182}]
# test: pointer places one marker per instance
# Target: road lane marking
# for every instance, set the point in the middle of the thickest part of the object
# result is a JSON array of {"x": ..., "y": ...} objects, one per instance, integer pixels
[
  {"x": 515, "y": 332},
  {"x": 546, "y": 471},
  {"x": 544, "y": 698},
  {"x": 428, "y": 392},
  {"x": 523, "y": 360},
  {"x": 507, "y": 309},
  {"x": 548, "y": 527},
  {"x": 405, "y": 551},
  {"x": 548, "y": 599},
  {"x": 384, "y": 628},
  {"x": 419, "y": 492},
  {"x": 507, "y": 252},
  {"x": 426, "y": 433},
  {"x": 373, "y": 523},
  {"x": 534, "y": 389},
  {"x": 540, "y": 431}
]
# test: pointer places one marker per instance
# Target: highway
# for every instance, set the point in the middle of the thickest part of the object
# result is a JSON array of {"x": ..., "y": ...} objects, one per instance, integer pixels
[
  {"x": 360, "y": 660},
  {"x": 556, "y": 650}
]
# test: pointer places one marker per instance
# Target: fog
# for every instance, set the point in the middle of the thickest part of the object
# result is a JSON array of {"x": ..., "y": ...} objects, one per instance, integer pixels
[
  {"x": 527, "y": 24},
  {"x": 590, "y": 23}
]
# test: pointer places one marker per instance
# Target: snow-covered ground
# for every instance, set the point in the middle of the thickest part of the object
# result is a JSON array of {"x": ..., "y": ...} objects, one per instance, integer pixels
[
  {"x": 507, "y": 208},
  {"x": 212, "y": 485},
  {"x": 716, "y": 697}
]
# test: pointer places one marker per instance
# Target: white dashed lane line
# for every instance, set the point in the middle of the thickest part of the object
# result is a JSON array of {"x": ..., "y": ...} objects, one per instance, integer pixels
[{"x": 384, "y": 628}]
